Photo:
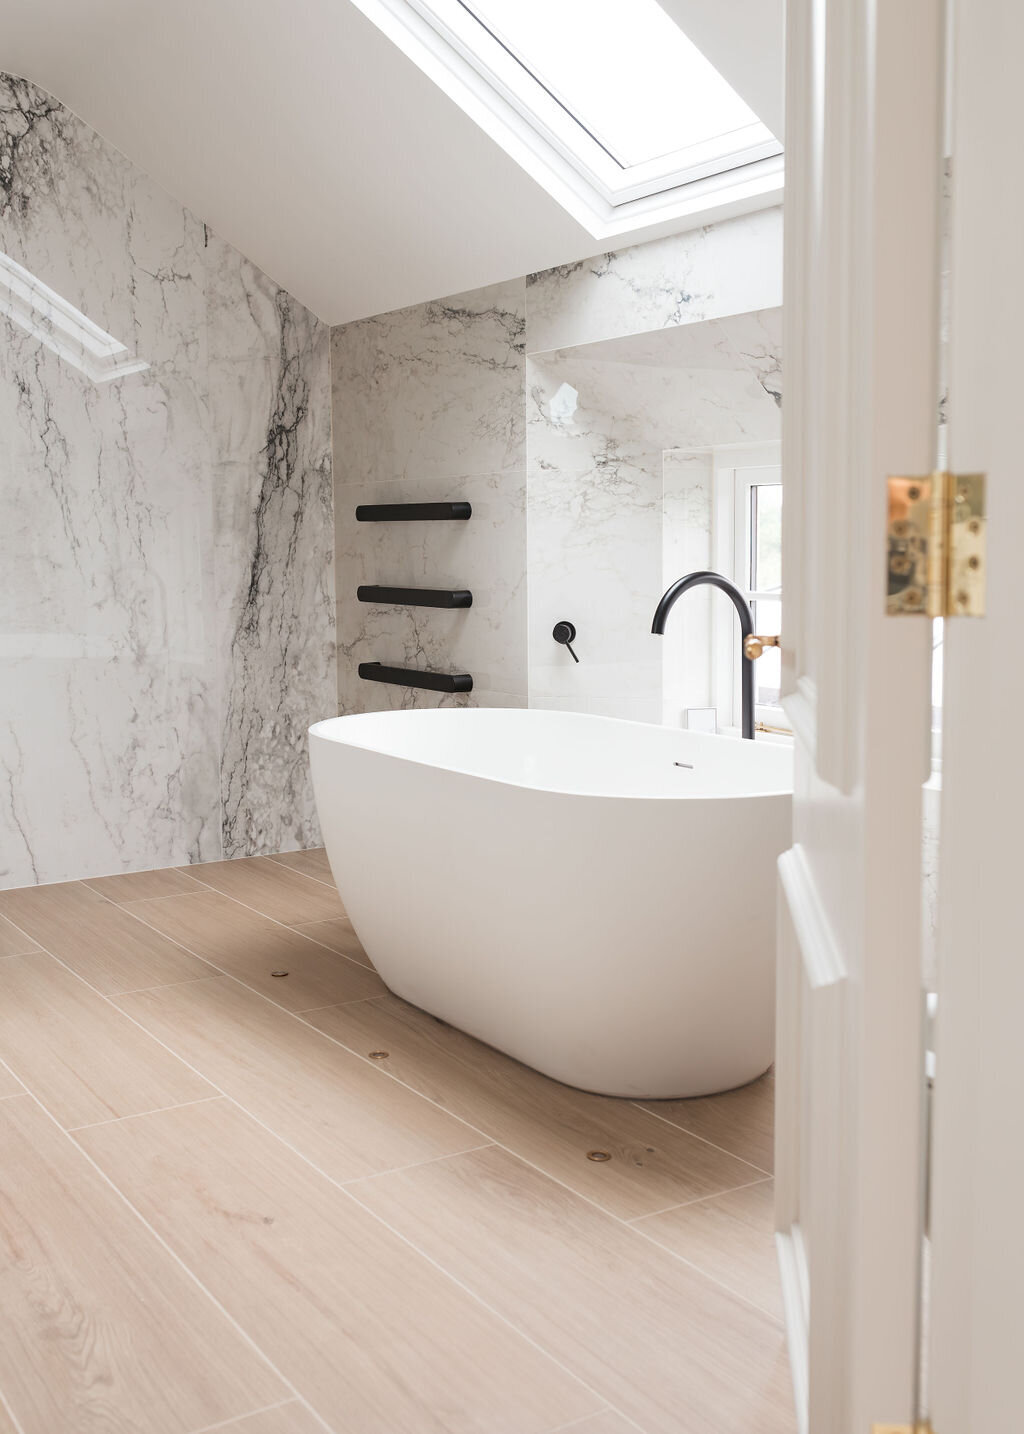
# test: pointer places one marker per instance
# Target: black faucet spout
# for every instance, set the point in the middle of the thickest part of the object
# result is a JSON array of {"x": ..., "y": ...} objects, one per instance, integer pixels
[{"x": 739, "y": 602}]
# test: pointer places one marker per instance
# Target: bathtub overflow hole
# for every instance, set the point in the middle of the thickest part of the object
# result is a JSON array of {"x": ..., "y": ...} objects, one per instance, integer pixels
[
  {"x": 598, "y": 1155},
  {"x": 689, "y": 765},
  {"x": 279, "y": 973},
  {"x": 379, "y": 1055}
]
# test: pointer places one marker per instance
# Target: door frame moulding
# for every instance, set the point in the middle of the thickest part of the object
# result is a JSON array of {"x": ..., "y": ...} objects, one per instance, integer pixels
[{"x": 860, "y": 344}]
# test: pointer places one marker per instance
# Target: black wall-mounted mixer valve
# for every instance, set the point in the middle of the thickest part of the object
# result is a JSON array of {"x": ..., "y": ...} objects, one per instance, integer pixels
[{"x": 565, "y": 633}]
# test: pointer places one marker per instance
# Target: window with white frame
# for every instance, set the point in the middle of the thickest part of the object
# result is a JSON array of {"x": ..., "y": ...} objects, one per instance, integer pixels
[
  {"x": 607, "y": 103},
  {"x": 748, "y": 549}
]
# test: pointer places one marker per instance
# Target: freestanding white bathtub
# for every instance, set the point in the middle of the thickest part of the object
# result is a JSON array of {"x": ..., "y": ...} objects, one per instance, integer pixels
[{"x": 594, "y": 897}]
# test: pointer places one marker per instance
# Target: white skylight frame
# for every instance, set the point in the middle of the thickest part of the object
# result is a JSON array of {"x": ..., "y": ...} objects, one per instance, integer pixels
[
  {"x": 65, "y": 330},
  {"x": 458, "y": 52}
]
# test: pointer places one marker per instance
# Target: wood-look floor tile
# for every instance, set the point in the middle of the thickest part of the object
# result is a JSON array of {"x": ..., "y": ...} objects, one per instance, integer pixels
[
  {"x": 731, "y": 1237},
  {"x": 14, "y": 942},
  {"x": 312, "y": 863},
  {"x": 607, "y": 1423},
  {"x": 370, "y": 1333},
  {"x": 658, "y": 1340},
  {"x": 272, "y": 888},
  {"x": 740, "y": 1121},
  {"x": 101, "y": 941},
  {"x": 653, "y": 1165},
  {"x": 292, "y": 1418},
  {"x": 340, "y": 936},
  {"x": 9, "y": 1084},
  {"x": 102, "y": 1328},
  {"x": 81, "y": 1057},
  {"x": 338, "y": 1110},
  {"x": 249, "y": 947},
  {"x": 143, "y": 885}
]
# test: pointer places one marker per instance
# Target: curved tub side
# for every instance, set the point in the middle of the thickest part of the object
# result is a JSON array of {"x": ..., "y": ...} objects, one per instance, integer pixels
[{"x": 624, "y": 946}]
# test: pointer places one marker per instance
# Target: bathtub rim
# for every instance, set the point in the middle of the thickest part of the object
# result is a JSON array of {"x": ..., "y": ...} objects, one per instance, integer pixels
[{"x": 772, "y": 793}]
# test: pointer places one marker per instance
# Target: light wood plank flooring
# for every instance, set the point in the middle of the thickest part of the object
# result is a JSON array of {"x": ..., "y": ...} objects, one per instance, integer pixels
[{"x": 219, "y": 1212}]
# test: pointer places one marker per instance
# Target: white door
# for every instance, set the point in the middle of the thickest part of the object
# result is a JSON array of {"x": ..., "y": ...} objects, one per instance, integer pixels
[
  {"x": 976, "y": 1346},
  {"x": 861, "y": 303}
]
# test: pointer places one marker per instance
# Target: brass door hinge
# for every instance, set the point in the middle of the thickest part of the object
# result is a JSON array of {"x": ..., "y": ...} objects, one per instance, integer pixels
[{"x": 936, "y": 546}]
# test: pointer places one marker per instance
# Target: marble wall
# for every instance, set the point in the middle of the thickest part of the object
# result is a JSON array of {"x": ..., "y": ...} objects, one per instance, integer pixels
[
  {"x": 166, "y": 542},
  {"x": 429, "y": 407},
  {"x": 730, "y": 268},
  {"x": 620, "y": 440},
  {"x": 441, "y": 401}
]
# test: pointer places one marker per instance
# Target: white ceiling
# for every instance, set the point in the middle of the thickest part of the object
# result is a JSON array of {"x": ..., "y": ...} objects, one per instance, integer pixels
[{"x": 300, "y": 134}]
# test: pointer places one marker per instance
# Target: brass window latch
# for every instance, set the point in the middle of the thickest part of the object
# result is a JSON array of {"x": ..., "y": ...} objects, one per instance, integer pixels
[
  {"x": 936, "y": 545},
  {"x": 753, "y": 646}
]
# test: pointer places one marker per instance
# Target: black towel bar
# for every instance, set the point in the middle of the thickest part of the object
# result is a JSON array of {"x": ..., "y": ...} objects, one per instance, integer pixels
[
  {"x": 417, "y": 597},
  {"x": 410, "y": 677},
  {"x": 411, "y": 512}
]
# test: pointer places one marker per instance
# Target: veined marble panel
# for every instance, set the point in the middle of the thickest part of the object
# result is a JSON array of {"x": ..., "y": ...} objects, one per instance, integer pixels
[
  {"x": 429, "y": 406},
  {"x": 687, "y": 515},
  {"x": 757, "y": 339},
  {"x": 730, "y": 268},
  {"x": 594, "y": 540},
  {"x": 270, "y": 391},
  {"x": 433, "y": 391},
  {"x": 109, "y": 736},
  {"x": 613, "y": 517},
  {"x": 487, "y": 555},
  {"x": 124, "y": 507}
]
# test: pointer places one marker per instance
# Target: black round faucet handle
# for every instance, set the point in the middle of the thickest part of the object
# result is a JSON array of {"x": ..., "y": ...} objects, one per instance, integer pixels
[{"x": 565, "y": 632}]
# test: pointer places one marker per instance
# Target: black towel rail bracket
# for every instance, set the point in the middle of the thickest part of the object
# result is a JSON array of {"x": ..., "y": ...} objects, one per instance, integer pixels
[
  {"x": 411, "y": 677},
  {"x": 416, "y": 597},
  {"x": 412, "y": 512}
]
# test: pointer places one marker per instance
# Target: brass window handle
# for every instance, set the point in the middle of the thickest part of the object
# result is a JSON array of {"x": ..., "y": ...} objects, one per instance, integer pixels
[{"x": 753, "y": 646}]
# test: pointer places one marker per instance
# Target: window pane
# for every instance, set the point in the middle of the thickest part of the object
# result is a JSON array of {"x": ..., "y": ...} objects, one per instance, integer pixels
[
  {"x": 766, "y": 537},
  {"x": 768, "y": 668},
  {"x": 623, "y": 69}
]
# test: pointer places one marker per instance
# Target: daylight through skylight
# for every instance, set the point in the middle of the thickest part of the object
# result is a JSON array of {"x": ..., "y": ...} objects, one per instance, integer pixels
[
  {"x": 606, "y": 103},
  {"x": 625, "y": 72}
]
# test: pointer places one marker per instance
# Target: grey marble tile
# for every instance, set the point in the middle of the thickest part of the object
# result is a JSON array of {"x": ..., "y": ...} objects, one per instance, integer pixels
[
  {"x": 276, "y": 601},
  {"x": 108, "y": 744},
  {"x": 687, "y": 513},
  {"x": 433, "y": 391},
  {"x": 615, "y": 513},
  {"x": 733, "y": 267},
  {"x": 165, "y": 538},
  {"x": 486, "y": 555}
]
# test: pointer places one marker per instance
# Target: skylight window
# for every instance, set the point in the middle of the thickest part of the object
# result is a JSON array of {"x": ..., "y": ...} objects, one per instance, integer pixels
[
  {"x": 607, "y": 103},
  {"x": 626, "y": 73}
]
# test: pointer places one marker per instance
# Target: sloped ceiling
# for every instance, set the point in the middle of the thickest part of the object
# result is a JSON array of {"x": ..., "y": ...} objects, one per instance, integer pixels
[{"x": 305, "y": 138}]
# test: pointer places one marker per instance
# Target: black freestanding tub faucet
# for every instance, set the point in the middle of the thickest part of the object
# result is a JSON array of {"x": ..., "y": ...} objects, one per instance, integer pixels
[{"x": 739, "y": 602}]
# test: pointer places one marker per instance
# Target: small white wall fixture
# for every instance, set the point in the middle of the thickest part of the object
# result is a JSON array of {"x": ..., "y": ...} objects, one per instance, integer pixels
[{"x": 65, "y": 330}]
